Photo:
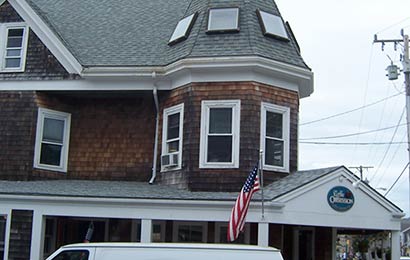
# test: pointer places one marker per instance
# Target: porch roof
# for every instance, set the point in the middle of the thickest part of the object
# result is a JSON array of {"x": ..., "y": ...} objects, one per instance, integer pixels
[{"x": 143, "y": 190}]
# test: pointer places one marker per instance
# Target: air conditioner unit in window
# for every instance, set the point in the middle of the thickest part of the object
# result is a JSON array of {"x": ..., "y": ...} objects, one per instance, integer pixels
[{"x": 169, "y": 160}]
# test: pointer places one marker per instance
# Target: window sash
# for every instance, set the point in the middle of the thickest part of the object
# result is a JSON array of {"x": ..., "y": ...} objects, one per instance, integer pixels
[
  {"x": 275, "y": 142},
  {"x": 173, "y": 144},
  {"x": 13, "y": 45},
  {"x": 210, "y": 156},
  {"x": 52, "y": 154}
]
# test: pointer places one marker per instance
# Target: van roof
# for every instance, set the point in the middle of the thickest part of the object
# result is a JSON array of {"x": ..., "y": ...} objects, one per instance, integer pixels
[{"x": 173, "y": 246}]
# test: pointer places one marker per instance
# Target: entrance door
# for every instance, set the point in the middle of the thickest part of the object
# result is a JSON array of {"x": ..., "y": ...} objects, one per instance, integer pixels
[{"x": 304, "y": 244}]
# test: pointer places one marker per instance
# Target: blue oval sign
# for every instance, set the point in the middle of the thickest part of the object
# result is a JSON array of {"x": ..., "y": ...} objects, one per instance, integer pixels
[{"x": 340, "y": 198}]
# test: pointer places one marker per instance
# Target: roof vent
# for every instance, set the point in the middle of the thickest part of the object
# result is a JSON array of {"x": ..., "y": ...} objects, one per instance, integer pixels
[
  {"x": 272, "y": 25},
  {"x": 223, "y": 20},
  {"x": 183, "y": 29}
]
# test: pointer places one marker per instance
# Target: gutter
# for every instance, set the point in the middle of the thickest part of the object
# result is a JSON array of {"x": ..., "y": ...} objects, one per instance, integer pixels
[{"x": 154, "y": 160}]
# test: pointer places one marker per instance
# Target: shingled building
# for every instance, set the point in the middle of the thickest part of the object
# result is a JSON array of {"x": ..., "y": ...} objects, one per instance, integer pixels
[{"x": 142, "y": 119}]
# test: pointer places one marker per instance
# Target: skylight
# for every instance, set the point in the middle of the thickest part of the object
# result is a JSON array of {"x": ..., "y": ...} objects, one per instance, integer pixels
[
  {"x": 223, "y": 19},
  {"x": 272, "y": 25},
  {"x": 182, "y": 29}
]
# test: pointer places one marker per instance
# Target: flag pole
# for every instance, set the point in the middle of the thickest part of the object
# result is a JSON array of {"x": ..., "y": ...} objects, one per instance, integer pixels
[{"x": 261, "y": 181}]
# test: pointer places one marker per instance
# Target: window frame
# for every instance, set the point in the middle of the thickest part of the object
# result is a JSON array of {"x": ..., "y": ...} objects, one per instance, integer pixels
[
  {"x": 208, "y": 26},
  {"x": 66, "y": 117},
  {"x": 4, "y": 29},
  {"x": 285, "y": 111},
  {"x": 168, "y": 112},
  {"x": 263, "y": 17},
  {"x": 206, "y": 105},
  {"x": 177, "y": 224},
  {"x": 176, "y": 38}
]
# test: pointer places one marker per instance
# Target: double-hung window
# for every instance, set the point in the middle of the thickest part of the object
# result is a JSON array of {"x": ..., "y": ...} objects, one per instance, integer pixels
[
  {"x": 172, "y": 138},
  {"x": 52, "y": 138},
  {"x": 219, "y": 144},
  {"x": 13, "y": 46},
  {"x": 275, "y": 137}
]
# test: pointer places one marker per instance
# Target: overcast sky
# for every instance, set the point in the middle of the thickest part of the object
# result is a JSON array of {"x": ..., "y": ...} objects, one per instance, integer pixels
[{"x": 336, "y": 40}]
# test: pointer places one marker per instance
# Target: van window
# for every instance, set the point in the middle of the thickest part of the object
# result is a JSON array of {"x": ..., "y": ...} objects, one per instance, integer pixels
[{"x": 72, "y": 255}]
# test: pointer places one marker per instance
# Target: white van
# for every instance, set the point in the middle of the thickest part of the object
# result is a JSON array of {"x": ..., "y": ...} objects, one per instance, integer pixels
[{"x": 164, "y": 251}]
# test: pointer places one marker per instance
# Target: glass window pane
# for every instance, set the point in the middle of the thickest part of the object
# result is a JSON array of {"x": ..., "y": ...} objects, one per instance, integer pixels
[
  {"x": 189, "y": 233},
  {"x": 274, "y": 152},
  {"x": 273, "y": 24},
  {"x": 2, "y": 228},
  {"x": 220, "y": 121},
  {"x": 12, "y": 62},
  {"x": 219, "y": 149},
  {"x": 173, "y": 146},
  {"x": 274, "y": 124},
  {"x": 13, "y": 52},
  {"x": 14, "y": 41},
  {"x": 72, "y": 255},
  {"x": 16, "y": 32},
  {"x": 223, "y": 19},
  {"x": 173, "y": 126},
  {"x": 50, "y": 154},
  {"x": 182, "y": 28},
  {"x": 53, "y": 130}
]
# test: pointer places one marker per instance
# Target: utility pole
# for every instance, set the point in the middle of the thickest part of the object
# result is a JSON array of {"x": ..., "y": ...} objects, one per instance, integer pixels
[
  {"x": 393, "y": 75},
  {"x": 360, "y": 169}
]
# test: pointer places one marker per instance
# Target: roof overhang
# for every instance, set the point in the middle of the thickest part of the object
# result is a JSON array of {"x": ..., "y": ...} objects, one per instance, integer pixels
[
  {"x": 370, "y": 209},
  {"x": 46, "y": 35},
  {"x": 215, "y": 69}
]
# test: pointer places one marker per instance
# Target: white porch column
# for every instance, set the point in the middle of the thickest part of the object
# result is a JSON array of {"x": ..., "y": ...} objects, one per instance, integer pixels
[
  {"x": 7, "y": 236},
  {"x": 263, "y": 234},
  {"x": 395, "y": 245},
  {"x": 37, "y": 236},
  {"x": 334, "y": 239},
  {"x": 146, "y": 230}
]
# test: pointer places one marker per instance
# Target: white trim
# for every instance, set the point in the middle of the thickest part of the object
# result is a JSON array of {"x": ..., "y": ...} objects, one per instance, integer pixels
[
  {"x": 66, "y": 117},
  {"x": 168, "y": 112},
  {"x": 206, "y": 105},
  {"x": 180, "y": 73},
  {"x": 4, "y": 28},
  {"x": 7, "y": 234},
  {"x": 146, "y": 230},
  {"x": 285, "y": 112},
  {"x": 47, "y": 36},
  {"x": 217, "y": 69},
  {"x": 176, "y": 224}
]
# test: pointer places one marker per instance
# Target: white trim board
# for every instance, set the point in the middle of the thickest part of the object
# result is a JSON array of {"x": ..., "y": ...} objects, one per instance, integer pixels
[{"x": 47, "y": 36}]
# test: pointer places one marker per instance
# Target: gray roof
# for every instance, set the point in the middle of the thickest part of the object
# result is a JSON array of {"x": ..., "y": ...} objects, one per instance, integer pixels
[
  {"x": 140, "y": 190},
  {"x": 136, "y": 32}
]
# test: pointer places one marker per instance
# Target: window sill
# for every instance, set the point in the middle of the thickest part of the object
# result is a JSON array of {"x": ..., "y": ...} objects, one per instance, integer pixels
[{"x": 50, "y": 168}]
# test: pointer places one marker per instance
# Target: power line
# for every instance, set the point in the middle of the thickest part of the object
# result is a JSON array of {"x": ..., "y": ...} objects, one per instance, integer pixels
[
  {"x": 391, "y": 187},
  {"x": 391, "y": 26},
  {"x": 351, "y": 143},
  {"x": 352, "y": 134},
  {"x": 388, "y": 147},
  {"x": 349, "y": 111}
]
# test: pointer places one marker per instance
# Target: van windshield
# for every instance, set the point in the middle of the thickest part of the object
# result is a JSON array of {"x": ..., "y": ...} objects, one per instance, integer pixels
[{"x": 72, "y": 255}]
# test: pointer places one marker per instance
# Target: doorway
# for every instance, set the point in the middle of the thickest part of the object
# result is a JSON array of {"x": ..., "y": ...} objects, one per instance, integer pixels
[{"x": 304, "y": 243}]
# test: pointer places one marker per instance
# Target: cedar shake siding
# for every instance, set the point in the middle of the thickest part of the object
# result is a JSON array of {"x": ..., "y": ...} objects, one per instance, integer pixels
[
  {"x": 17, "y": 130},
  {"x": 40, "y": 63},
  {"x": 112, "y": 134},
  {"x": 111, "y": 138},
  {"x": 251, "y": 95}
]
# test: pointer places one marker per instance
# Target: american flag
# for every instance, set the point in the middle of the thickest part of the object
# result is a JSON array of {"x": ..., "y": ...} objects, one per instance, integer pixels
[{"x": 238, "y": 215}]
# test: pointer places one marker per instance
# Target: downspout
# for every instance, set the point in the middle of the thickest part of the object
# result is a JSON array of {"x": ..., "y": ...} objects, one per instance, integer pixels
[{"x": 154, "y": 160}]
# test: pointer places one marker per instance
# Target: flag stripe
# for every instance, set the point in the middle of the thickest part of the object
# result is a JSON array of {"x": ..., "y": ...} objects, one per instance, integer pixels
[{"x": 240, "y": 209}]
